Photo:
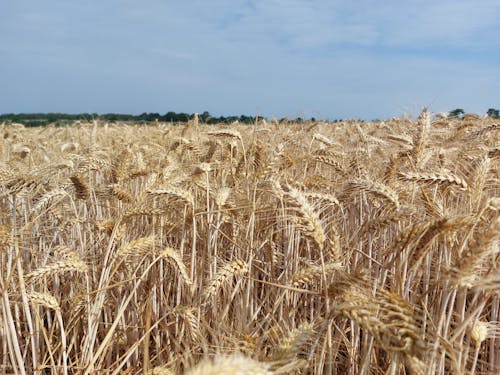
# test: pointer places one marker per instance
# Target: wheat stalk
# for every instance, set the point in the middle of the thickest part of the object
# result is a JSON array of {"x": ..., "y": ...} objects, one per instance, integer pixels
[
  {"x": 291, "y": 345},
  {"x": 387, "y": 316},
  {"x": 435, "y": 178},
  {"x": 306, "y": 219},
  {"x": 175, "y": 192},
  {"x": 224, "y": 275},
  {"x": 65, "y": 260},
  {"x": 174, "y": 257},
  {"x": 420, "y": 141},
  {"x": 136, "y": 248},
  {"x": 81, "y": 187},
  {"x": 230, "y": 365},
  {"x": 44, "y": 299},
  {"x": 377, "y": 189}
]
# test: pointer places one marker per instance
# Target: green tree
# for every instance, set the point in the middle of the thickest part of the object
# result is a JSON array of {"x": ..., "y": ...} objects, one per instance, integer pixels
[
  {"x": 456, "y": 113},
  {"x": 494, "y": 113},
  {"x": 205, "y": 117}
]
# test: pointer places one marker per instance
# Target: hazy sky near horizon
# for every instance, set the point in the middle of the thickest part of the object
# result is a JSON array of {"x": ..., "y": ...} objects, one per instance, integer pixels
[{"x": 323, "y": 58}]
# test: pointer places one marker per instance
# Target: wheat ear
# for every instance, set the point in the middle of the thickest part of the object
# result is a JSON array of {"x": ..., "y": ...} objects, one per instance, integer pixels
[
  {"x": 65, "y": 260},
  {"x": 435, "y": 178},
  {"x": 232, "y": 365},
  {"x": 224, "y": 276},
  {"x": 306, "y": 218},
  {"x": 174, "y": 257}
]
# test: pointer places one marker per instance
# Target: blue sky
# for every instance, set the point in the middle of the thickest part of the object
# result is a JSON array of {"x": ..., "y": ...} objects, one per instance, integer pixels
[{"x": 328, "y": 59}]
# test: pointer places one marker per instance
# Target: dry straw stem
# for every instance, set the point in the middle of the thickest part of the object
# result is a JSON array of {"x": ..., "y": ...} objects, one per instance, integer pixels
[{"x": 224, "y": 275}]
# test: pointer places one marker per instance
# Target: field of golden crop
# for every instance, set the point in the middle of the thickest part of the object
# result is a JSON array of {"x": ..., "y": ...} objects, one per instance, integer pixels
[{"x": 315, "y": 248}]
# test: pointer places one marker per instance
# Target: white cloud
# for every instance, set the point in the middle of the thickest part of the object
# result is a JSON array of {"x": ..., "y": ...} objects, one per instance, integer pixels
[
  {"x": 305, "y": 24},
  {"x": 339, "y": 58}
]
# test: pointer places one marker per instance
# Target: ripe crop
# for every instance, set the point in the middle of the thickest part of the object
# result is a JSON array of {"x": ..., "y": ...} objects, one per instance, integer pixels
[{"x": 338, "y": 248}]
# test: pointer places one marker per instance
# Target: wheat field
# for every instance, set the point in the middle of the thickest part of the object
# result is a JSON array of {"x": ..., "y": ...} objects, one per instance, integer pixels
[{"x": 313, "y": 248}]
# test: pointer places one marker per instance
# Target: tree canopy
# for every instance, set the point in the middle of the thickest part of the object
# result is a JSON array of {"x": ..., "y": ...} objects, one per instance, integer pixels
[{"x": 41, "y": 119}]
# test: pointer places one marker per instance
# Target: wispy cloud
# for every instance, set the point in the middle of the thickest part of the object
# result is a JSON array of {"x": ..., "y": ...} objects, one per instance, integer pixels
[
  {"x": 306, "y": 23},
  {"x": 331, "y": 58}
]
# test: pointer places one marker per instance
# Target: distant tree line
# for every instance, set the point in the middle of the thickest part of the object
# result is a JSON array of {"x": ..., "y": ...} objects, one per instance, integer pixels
[
  {"x": 42, "y": 119},
  {"x": 459, "y": 112}
]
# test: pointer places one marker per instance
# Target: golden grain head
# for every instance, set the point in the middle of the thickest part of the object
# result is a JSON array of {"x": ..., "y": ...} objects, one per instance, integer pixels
[
  {"x": 312, "y": 247},
  {"x": 230, "y": 365},
  {"x": 44, "y": 299}
]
